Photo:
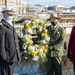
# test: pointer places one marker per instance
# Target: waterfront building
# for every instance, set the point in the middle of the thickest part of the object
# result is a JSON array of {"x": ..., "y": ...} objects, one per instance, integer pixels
[
  {"x": 68, "y": 18},
  {"x": 18, "y": 5}
]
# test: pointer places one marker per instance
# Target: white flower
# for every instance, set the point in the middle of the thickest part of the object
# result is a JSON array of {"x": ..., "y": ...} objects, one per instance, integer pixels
[
  {"x": 28, "y": 31},
  {"x": 31, "y": 48},
  {"x": 34, "y": 26},
  {"x": 41, "y": 50},
  {"x": 39, "y": 28},
  {"x": 43, "y": 41},
  {"x": 47, "y": 38},
  {"x": 24, "y": 46},
  {"x": 26, "y": 37},
  {"x": 35, "y": 58}
]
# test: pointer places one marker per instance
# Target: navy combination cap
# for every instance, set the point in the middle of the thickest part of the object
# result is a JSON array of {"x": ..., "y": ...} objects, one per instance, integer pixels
[{"x": 8, "y": 11}]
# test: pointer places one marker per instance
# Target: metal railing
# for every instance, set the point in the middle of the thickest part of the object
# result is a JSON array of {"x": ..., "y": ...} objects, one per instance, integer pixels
[{"x": 29, "y": 67}]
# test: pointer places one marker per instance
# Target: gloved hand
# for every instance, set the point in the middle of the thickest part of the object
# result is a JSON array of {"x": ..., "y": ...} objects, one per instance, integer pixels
[
  {"x": 68, "y": 54},
  {"x": 50, "y": 48}
]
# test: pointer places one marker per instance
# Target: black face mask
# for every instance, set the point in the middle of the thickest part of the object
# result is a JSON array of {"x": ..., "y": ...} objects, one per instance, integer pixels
[{"x": 53, "y": 23}]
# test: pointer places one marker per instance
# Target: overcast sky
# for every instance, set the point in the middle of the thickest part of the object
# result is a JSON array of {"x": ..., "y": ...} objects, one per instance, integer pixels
[{"x": 67, "y": 3}]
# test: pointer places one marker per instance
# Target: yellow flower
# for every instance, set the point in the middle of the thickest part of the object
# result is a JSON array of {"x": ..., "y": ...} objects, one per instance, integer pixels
[
  {"x": 34, "y": 53},
  {"x": 34, "y": 19},
  {"x": 28, "y": 27},
  {"x": 20, "y": 28},
  {"x": 44, "y": 34},
  {"x": 58, "y": 32},
  {"x": 23, "y": 23},
  {"x": 41, "y": 46},
  {"x": 45, "y": 50},
  {"x": 40, "y": 53},
  {"x": 29, "y": 53},
  {"x": 36, "y": 23},
  {"x": 30, "y": 42},
  {"x": 43, "y": 25},
  {"x": 46, "y": 46}
]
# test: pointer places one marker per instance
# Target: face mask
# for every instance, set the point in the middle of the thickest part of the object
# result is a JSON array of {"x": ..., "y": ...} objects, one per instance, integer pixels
[
  {"x": 10, "y": 18},
  {"x": 53, "y": 23}
]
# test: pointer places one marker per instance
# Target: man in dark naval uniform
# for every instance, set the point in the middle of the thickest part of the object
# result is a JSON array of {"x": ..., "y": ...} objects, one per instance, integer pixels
[{"x": 9, "y": 48}]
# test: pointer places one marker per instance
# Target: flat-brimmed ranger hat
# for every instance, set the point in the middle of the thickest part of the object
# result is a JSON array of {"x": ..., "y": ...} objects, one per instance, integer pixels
[
  {"x": 53, "y": 15},
  {"x": 8, "y": 11}
]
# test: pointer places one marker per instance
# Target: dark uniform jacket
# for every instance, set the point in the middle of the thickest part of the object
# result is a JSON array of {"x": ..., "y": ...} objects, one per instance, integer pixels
[{"x": 9, "y": 48}]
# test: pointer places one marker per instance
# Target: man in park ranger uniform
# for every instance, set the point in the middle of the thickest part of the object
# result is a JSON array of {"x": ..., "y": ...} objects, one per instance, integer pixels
[{"x": 55, "y": 51}]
